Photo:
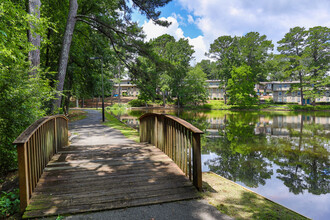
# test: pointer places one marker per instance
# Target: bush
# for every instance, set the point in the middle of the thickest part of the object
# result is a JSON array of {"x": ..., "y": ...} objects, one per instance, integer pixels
[
  {"x": 269, "y": 100},
  {"x": 9, "y": 203},
  {"x": 136, "y": 103}
]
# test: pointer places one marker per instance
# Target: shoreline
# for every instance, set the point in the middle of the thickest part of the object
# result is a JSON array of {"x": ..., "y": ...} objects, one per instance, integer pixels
[
  {"x": 205, "y": 109},
  {"x": 238, "y": 185}
]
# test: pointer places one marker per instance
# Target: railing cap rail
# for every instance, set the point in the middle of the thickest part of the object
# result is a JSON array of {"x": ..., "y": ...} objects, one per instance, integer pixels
[
  {"x": 25, "y": 135},
  {"x": 174, "y": 118}
]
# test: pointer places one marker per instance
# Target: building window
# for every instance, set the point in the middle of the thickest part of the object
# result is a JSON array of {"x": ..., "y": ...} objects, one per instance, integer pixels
[
  {"x": 293, "y": 94},
  {"x": 298, "y": 93},
  {"x": 280, "y": 93}
]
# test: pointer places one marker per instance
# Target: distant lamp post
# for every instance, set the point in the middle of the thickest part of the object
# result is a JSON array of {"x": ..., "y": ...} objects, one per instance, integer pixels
[{"x": 101, "y": 58}]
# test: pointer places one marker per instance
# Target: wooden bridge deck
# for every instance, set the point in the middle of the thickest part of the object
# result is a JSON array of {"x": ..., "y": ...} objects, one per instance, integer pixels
[{"x": 102, "y": 177}]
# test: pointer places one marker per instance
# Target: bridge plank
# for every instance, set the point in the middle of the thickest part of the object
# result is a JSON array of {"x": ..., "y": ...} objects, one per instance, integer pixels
[{"x": 94, "y": 178}]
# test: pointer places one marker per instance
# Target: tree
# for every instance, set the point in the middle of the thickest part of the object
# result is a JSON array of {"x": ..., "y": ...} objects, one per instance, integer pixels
[
  {"x": 209, "y": 68},
  {"x": 22, "y": 97},
  {"x": 106, "y": 17},
  {"x": 306, "y": 53},
  {"x": 250, "y": 50},
  {"x": 241, "y": 86},
  {"x": 254, "y": 52},
  {"x": 63, "y": 62},
  {"x": 33, "y": 36},
  {"x": 317, "y": 53},
  {"x": 292, "y": 46},
  {"x": 166, "y": 69},
  {"x": 195, "y": 86},
  {"x": 225, "y": 50}
]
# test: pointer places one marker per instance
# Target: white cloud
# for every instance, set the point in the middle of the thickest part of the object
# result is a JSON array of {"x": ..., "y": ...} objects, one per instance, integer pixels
[
  {"x": 190, "y": 19},
  {"x": 215, "y": 18},
  {"x": 272, "y": 17},
  {"x": 153, "y": 31}
]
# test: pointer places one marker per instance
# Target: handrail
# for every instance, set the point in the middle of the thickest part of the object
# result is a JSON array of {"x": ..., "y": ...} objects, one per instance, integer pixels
[
  {"x": 35, "y": 147},
  {"x": 177, "y": 138}
]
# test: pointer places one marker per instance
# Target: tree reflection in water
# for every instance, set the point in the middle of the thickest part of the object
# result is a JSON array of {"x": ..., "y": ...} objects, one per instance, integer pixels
[{"x": 296, "y": 145}]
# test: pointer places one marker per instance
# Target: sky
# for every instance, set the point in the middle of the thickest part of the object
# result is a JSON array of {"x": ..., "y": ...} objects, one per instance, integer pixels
[{"x": 202, "y": 21}]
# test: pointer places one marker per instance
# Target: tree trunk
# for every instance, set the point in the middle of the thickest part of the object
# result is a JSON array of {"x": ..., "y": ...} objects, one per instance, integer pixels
[
  {"x": 225, "y": 96},
  {"x": 77, "y": 102},
  {"x": 34, "y": 55},
  {"x": 66, "y": 105},
  {"x": 301, "y": 88},
  {"x": 164, "y": 100},
  {"x": 64, "y": 57}
]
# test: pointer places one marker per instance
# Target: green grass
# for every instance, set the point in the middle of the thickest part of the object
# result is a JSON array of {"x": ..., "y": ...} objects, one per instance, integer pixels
[
  {"x": 127, "y": 131},
  {"x": 220, "y": 105},
  {"x": 309, "y": 107},
  {"x": 241, "y": 203},
  {"x": 76, "y": 115}
]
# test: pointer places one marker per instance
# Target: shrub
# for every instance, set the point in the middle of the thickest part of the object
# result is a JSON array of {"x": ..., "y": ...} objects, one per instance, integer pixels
[
  {"x": 136, "y": 103},
  {"x": 9, "y": 203}
]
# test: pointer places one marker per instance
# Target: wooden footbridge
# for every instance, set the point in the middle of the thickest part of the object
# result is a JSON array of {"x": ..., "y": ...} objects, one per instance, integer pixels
[{"x": 58, "y": 179}]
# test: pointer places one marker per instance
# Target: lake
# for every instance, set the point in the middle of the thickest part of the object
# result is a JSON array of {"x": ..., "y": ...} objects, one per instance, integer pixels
[{"x": 283, "y": 156}]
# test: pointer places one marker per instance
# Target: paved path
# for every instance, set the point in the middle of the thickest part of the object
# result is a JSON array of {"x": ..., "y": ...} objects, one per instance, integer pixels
[{"x": 90, "y": 131}]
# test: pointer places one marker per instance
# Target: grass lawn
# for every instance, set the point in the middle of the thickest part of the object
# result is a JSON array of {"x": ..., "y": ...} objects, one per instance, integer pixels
[
  {"x": 220, "y": 105},
  {"x": 76, "y": 115},
  {"x": 241, "y": 203},
  {"x": 126, "y": 130}
]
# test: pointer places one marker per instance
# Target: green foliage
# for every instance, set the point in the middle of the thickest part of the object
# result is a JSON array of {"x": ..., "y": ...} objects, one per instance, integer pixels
[
  {"x": 164, "y": 72},
  {"x": 9, "y": 203},
  {"x": 209, "y": 68},
  {"x": 250, "y": 50},
  {"x": 305, "y": 54},
  {"x": 195, "y": 87},
  {"x": 241, "y": 87},
  {"x": 23, "y": 97},
  {"x": 136, "y": 103}
]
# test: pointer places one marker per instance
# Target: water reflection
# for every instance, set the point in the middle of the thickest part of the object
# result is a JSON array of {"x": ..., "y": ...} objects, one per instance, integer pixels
[{"x": 259, "y": 149}]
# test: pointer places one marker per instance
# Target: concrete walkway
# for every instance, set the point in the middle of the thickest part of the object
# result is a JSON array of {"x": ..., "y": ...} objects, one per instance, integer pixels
[{"x": 90, "y": 131}]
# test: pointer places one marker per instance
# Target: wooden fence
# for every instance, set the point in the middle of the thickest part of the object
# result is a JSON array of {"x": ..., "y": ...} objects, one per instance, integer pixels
[
  {"x": 178, "y": 139},
  {"x": 35, "y": 147}
]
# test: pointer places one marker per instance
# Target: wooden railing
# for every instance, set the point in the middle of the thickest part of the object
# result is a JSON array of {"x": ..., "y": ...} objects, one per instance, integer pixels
[
  {"x": 35, "y": 147},
  {"x": 178, "y": 139}
]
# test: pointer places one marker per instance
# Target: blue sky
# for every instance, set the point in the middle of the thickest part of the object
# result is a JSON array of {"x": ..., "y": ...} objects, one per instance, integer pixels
[{"x": 202, "y": 21}]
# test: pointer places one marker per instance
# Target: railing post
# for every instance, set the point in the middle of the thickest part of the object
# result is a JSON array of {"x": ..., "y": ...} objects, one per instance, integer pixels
[
  {"x": 24, "y": 194},
  {"x": 197, "y": 166},
  {"x": 155, "y": 138},
  {"x": 55, "y": 136}
]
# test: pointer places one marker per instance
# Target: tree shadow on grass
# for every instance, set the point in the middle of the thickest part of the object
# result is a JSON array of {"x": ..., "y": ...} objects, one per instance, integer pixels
[{"x": 253, "y": 206}]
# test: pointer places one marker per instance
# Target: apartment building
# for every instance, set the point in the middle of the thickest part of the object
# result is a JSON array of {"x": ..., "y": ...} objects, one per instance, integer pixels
[
  {"x": 281, "y": 92},
  {"x": 214, "y": 89},
  {"x": 127, "y": 88}
]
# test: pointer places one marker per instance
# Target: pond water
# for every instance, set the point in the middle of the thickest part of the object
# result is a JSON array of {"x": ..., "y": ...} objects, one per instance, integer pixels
[{"x": 283, "y": 156}]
